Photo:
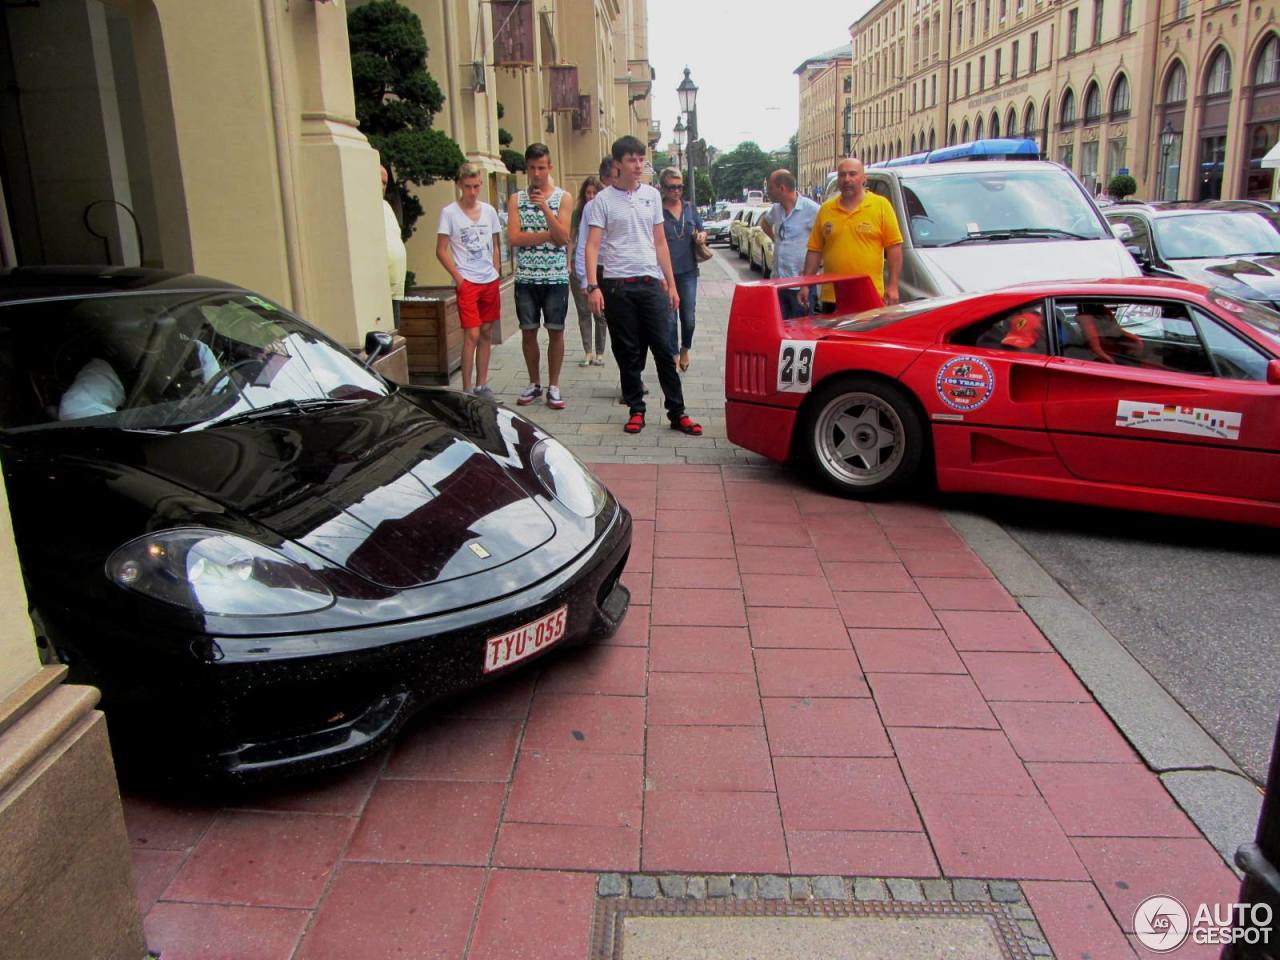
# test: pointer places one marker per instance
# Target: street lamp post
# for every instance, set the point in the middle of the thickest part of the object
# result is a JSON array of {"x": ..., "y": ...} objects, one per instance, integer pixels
[
  {"x": 688, "y": 93},
  {"x": 678, "y": 133},
  {"x": 1167, "y": 136}
]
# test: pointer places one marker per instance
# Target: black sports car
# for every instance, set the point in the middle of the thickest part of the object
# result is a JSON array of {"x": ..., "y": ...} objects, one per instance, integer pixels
[{"x": 264, "y": 555}]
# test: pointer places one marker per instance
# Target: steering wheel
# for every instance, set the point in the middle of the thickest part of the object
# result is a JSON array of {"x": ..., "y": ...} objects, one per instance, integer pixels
[{"x": 212, "y": 385}]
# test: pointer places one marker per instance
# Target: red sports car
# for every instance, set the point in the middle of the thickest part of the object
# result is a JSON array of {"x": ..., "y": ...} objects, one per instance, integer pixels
[{"x": 1153, "y": 395}]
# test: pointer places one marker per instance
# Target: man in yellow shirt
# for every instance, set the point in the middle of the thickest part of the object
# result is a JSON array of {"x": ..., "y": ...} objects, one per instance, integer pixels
[{"x": 855, "y": 233}]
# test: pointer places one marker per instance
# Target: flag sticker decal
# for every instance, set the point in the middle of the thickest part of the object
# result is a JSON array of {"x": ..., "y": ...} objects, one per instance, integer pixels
[{"x": 1169, "y": 418}]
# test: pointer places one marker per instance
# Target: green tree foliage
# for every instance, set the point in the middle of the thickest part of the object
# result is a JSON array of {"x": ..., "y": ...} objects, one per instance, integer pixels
[
  {"x": 793, "y": 154},
  {"x": 744, "y": 167},
  {"x": 504, "y": 137},
  {"x": 706, "y": 193},
  {"x": 514, "y": 160},
  {"x": 396, "y": 100},
  {"x": 1122, "y": 185},
  {"x": 662, "y": 159}
]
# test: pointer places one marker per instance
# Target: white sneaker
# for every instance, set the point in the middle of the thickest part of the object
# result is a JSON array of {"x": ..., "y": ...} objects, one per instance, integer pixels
[
  {"x": 554, "y": 400},
  {"x": 531, "y": 393}
]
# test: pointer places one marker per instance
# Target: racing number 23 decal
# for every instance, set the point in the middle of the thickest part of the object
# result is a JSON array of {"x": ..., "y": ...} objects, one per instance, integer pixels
[{"x": 795, "y": 365}]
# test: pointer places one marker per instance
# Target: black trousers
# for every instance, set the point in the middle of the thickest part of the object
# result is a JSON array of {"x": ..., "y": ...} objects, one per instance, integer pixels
[{"x": 639, "y": 318}]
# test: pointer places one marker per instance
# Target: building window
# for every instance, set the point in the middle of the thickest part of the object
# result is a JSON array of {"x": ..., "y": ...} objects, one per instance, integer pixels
[
  {"x": 1092, "y": 104},
  {"x": 1218, "y": 80},
  {"x": 1067, "y": 155},
  {"x": 982, "y": 74},
  {"x": 1126, "y": 16},
  {"x": 977, "y": 130},
  {"x": 955, "y": 83},
  {"x": 931, "y": 138},
  {"x": 1034, "y": 65},
  {"x": 1029, "y": 121},
  {"x": 995, "y": 80},
  {"x": 1115, "y": 157},
  {"x": 1182, "y": 10},
  {"x": 1089, "y": 165},
  {"x": 986, "y": 17},
  {"x": 1073, "y": 30},
  {"x": 1175, "y": 87},
  {"x": 959, "y": 27},
  {"x": 1011, "y": 123},
  {"x": 1268, "y": 68},
  {"x": 1004, "y": 9},
  {"x": 1213, "y": 154},
  {"x": 964, "y": 132},
  {"x": 1097, "y": 23},
  {"x": 951, "y": 137},
  {"x": 1022, "y": 5},
  {"x": 933, "y": 90},
  {"x": 1067, "y": 116},
  {"x": 994, "y": 125},
  {"x": 968, "y": 77},
  {"x": 1013, "y": 61},
  {"x": 973, "y": 22},
  {"x": 1120, "y": 98}
]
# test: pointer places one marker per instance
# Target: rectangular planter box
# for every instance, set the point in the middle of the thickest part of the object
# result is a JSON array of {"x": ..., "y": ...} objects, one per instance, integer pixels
[{"x": 433, "y": 336}]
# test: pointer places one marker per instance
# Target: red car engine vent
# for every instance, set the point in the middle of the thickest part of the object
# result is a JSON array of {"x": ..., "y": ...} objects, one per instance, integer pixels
[{"x": 748, "y": 370}]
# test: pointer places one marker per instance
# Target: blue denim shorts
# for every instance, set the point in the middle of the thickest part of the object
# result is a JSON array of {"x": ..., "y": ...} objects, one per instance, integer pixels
[{"x": 542, "y": 304}]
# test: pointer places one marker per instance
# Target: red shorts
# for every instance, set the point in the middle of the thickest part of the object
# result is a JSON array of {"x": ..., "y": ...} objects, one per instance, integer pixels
[{"x": 478, "y": 303}]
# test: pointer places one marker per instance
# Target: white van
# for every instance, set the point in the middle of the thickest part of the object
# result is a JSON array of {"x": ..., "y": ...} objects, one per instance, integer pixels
[
  {"x": 755, "y": 196},
  {"x": 979, "y": 225}
]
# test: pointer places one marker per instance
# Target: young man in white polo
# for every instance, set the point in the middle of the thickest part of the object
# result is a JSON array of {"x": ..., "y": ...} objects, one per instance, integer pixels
[
  {"x": 538, "y": 222},
  {"x": 637, "y": 290},
  {"x": 467, "y": 246}
]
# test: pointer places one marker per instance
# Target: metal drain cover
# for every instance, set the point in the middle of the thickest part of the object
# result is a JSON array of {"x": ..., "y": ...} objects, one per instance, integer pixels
[{"x": 629, "y": 929}]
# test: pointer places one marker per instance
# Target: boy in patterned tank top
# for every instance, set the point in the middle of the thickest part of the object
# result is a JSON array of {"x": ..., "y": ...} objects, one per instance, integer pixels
[{"x": 538, "y": 221}]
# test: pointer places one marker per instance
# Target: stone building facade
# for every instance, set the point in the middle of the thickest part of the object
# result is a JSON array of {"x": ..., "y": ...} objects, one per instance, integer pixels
[
  {"x": 1184, "y": 96},
  {"x": 825, "y": 101}
]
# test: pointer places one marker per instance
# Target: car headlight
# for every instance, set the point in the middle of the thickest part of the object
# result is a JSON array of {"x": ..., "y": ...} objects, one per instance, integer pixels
[
  {"x": 217, "y": 573},
  {"x": 567, "y": 478}
]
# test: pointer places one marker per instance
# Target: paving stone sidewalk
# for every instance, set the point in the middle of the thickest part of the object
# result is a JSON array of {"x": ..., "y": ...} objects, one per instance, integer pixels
[{"x": 809, "y": 695}]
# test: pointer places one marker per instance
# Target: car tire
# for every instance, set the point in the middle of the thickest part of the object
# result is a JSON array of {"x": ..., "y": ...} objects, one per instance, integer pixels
[{"x": 864, "y": 437}]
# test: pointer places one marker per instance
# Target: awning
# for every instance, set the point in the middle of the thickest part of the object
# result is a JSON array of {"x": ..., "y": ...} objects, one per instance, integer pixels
[{"x": 1272, "y": 159}]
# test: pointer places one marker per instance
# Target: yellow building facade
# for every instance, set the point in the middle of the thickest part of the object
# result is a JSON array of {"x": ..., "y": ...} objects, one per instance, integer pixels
[
  {"x": 1183, "y": 96},
  {"x": 220, "y": 138},
  {"x": 825, "y": 83}
]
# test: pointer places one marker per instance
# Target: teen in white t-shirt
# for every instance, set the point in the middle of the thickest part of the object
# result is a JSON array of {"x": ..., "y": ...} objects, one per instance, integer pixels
[{"x": 467, "y": 246}]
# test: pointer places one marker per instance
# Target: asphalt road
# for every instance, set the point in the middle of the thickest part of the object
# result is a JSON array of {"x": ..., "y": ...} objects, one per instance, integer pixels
[{"x": 1197, "y": 604}]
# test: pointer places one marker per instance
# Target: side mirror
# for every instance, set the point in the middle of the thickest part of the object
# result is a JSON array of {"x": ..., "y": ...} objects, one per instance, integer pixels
[
  {"x": 1273, "y": 372},
  {"x": 376, "y": 343},
  {"x": 1139, "y": 254},
  {"x": 1122, "y": 231}
]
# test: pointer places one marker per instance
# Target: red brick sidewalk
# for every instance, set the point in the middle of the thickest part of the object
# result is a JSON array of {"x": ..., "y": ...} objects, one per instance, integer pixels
[{"x": 804, "y": 685}]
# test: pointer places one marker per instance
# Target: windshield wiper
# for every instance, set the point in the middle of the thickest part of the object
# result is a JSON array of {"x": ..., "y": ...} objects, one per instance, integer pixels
[
  {"x": 1018, "y": 233},
  {"x": 289, "y": 406}
]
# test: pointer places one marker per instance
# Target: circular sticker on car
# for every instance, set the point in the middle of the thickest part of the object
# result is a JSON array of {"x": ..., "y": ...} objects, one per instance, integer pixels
[{"x": 965, "y": 383}]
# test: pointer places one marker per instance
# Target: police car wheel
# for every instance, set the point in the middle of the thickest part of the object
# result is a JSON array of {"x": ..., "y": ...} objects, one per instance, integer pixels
[{"x": 864, "y": 437}]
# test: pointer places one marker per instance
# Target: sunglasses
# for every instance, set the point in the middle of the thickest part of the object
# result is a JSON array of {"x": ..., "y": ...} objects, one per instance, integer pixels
[{"x": 673, "y": 186}]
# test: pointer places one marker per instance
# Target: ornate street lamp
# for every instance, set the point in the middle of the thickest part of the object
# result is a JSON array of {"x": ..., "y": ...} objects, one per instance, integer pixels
[
  {"x": 678, "y": 134},
  {"x": 1167, "y": 136},
  {"x": 687, "y": 91}
]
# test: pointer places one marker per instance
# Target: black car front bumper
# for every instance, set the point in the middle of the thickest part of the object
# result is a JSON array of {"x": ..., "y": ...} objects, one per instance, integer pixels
[{"x": 251, "y": 708}]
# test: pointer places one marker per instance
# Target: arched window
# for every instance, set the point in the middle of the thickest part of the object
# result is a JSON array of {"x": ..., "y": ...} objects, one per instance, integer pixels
[
  {"x": 951, "y": 137},
  {"x": 898, "y": 148},
  {"x": 913, "y": 143},
  {"x": 1029, "y": 121},
  {"x": 931, "y": 140},
  {"x": 1092, "y": 103},
  {"x": 1268, "y": 66},
  {"x": 977, "y": 130},
  {"x": 1120, "y": 97},
  {"x": 1011, "y": 123},
  {"x": 964, "y": 132},
  {"x": 1175, "y": 85},
  {"x": 1067, "y": 115},
  {"x": 1218, "y": 76},
  {"x": 993, "y": 127}
]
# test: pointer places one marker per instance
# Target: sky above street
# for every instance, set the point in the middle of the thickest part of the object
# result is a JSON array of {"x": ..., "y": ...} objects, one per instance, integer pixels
[{"x": 741, "y": 56}]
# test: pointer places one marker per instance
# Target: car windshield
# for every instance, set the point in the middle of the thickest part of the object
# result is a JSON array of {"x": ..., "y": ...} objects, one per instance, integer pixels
[
  {"x": 1263, "y": 320},
  {"x": 1197, "y": 236},
  {"x": 995, "y": 206},
  {"x": 165, "y": 361}
]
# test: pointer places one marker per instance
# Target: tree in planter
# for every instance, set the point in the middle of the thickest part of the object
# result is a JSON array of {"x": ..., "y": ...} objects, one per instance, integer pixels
[
  {"x": 514, "y": 159},
  {"x": 396, "y": 101},
  {"x": 1122, "y": 185}
]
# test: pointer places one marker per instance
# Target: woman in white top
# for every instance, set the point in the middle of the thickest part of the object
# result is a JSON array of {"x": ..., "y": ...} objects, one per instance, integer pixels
[{"x": 467, "y": 246}]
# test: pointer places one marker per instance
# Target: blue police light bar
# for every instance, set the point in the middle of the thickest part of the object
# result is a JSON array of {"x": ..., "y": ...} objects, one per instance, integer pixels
[{"x": 997, "y": 149}]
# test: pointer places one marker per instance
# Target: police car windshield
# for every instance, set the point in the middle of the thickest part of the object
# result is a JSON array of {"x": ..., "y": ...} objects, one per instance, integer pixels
[{"x": 989, "y": 206}]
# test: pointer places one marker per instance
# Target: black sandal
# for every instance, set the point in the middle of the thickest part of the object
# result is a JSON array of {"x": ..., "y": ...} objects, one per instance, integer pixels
[{"x": 686, "y": 425}]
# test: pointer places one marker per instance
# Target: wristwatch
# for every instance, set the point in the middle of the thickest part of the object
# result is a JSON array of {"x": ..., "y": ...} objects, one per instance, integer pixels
[{"x": 592, "y": 286}]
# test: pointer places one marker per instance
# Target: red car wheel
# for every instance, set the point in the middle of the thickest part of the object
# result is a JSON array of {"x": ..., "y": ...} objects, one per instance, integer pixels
[{"x": 864, "y": 437}]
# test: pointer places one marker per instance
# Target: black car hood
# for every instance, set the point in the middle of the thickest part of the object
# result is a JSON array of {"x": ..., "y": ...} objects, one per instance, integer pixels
[
  {"x": 384, "y": 489},
  {"x": 1250, "y": 278}
]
